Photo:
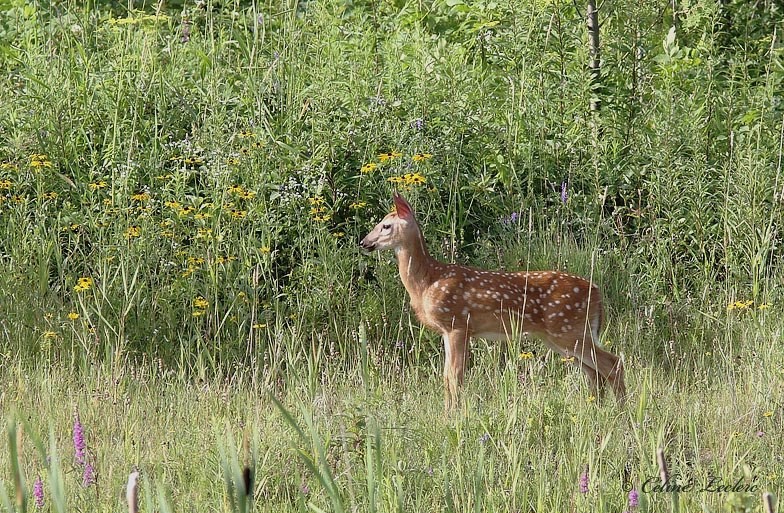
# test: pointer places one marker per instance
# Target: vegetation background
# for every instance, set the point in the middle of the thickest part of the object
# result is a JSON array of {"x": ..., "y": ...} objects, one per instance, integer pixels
[{"x": 183, "y": 185}]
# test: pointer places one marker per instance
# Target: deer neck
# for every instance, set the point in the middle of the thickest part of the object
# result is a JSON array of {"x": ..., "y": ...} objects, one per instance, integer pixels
[{"x": 417, "y": 268}]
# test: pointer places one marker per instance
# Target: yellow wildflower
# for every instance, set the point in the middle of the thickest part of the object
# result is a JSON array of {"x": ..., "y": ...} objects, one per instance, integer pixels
[
  {"x": 420, "y": 157},
  {"x": 101, "y": 184},
  {"x": 73, "y": 316},
  {"x": 83, "y": 283},
  {"x": 368, "y": 168},
  {"x": 39, "y": 160},
  {"x": 414, "y": 179},
  {"x": 132, "y": 232},
  {"x": 358, "y": 205},
  {"x": 526, "y": 355},
  {"x": 391, "y": 155}
]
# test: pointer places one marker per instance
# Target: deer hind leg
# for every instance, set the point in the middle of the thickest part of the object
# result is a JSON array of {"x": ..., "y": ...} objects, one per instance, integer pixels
[
  {"x": 606, "y": 367},
  {"x": 601, "y": 367},
  {"x": 456, "y": 355}
]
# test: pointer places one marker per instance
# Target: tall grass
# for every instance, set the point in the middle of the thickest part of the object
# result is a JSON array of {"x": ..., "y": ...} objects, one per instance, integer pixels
[{"x": 182, "y": 189}]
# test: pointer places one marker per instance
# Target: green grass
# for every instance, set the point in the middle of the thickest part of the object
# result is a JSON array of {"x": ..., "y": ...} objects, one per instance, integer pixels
[{"x": 181, "y": 196}]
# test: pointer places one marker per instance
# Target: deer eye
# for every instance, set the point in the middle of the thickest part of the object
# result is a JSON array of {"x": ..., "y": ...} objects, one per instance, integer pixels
[{"x": 386, "y": 226}]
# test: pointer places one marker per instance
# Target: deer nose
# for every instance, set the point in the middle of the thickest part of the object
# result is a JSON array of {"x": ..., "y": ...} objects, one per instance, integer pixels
[{"x": 367, "y": 245}]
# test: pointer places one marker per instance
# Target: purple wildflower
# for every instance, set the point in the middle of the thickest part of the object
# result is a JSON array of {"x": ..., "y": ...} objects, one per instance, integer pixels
[
  {"x": 584, "y": 481},
  {"x": 634, "y": 498},
  {"x": 305, "y": 489},
  {"x": 564, "y": 194},
  {"x": 760, "y": 434},
  {"x": 429, "y": 471},
  {"x": 78, "y": 440},
  {"x": 38, "y": 492},
  {"x": 484, "y": 438},
  {"x": 88, "y": 476},
  {"x": 418, "y": 124},
  {"x": 513, "y": 218}
]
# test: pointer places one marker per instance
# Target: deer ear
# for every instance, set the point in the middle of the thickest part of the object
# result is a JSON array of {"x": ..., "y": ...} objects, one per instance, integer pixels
[{"x": 402, "y": 207}]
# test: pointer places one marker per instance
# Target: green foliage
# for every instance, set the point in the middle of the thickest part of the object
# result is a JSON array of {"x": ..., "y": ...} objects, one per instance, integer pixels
[{"x": 181, "y": 192}]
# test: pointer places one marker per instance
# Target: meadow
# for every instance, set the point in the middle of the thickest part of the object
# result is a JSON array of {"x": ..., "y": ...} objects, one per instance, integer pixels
[{"x": 183, "y": 186}]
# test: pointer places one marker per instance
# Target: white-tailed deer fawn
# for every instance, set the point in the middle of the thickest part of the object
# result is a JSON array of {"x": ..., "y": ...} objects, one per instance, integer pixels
[{"x": 461, "y": 302}]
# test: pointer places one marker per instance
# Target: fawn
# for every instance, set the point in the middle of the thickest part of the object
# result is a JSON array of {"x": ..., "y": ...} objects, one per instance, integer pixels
[{"x": 461, "y": 302}]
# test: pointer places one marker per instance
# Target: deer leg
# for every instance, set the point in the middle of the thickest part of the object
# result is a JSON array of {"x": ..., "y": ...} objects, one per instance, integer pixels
[{"x": 456, "y": 354}]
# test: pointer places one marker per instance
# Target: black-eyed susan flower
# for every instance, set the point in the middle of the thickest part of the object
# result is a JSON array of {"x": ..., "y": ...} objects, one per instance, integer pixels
[
  {"x": 368, "y": 168},
  {"x": 740, "y": 305},
  {"x": 388, "y": 156},
  {"x": 5, "y": 184},
  {"x": 420, "y": 157},
  {"x": 140, "y": 196},
  {"x": 526, "y": 355},
  {"x": 239, "y": 214},
  {"x": 73, "y": 316},
  {"x": 316, "y": 200},
  {"x": 83, "y": 283},
  {"x": 51, "y": 195},
  {"x": 100, "y": 184},
  {"x": 414, "y": 179},
  {"x": 39, "y": 161},
  {"x": 133, "y": 232},
  {"x": 357, "y": 205},
  {"x": 264, "y": 250}
]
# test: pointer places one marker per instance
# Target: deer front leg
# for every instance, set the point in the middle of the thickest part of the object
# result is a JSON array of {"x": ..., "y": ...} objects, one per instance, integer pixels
[{"x": 455, "y": 349}]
